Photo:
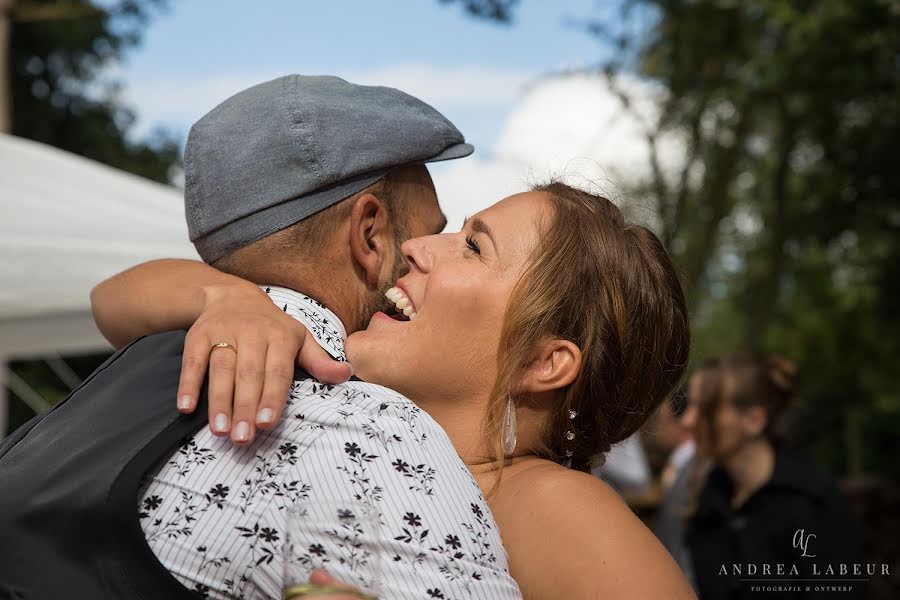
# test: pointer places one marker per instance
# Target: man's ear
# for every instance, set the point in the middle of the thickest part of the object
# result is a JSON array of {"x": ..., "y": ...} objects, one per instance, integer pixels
[
  {"x": 369, "y": 235},
  {"x": 556, "y": 365}
]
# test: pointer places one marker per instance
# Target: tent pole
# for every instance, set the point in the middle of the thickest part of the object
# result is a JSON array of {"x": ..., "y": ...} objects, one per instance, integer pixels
[{"x": 4, "y": 397}]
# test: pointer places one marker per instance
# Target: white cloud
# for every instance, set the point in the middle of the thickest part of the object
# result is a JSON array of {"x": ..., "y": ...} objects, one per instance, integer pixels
[
  {"x": 450, "y": 87},
  {"x": 571, "y": 127},
  {"x": 178, "y": 101}
]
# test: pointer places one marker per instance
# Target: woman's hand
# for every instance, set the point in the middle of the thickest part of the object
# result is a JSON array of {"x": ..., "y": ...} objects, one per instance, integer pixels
[
  {"x": 167, "y": 294},
  {"x": 249, "y": 380},
  {"x": 321, "y": 578}
]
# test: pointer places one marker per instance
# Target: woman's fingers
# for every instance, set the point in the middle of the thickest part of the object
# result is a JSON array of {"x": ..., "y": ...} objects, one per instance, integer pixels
[
  {"x": 321, "y": 577},
  {"x": 194, "y": 361},
  {"x": 330, "y": 588},
  {"x": 320, "y": 365},
  {"x": 248, "y": 387},
  {"x": 278, "y": 379},
  {"x": 222, "y": 365},
  {"x": 250, "y": 378}
]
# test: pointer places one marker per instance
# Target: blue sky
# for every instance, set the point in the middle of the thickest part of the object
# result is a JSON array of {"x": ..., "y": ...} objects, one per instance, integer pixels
[
  {"x": 486, "y": 77},
  {"x": 200, "y": 48}
]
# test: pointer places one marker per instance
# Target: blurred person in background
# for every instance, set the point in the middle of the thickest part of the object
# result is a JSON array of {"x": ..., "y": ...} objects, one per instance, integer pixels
[
  {"x": 670, "y": 433},
  {"x": 626, "y": 468},
  {"x": 764, "y": 510}
]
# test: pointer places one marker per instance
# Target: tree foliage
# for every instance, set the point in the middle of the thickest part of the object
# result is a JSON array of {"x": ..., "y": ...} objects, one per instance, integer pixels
[
  {"x": 59, "y": 56},
  {"x": 790, "y": 235},
  {"x": 784, "y": 217},
  {"x": 494, "y": 10}
]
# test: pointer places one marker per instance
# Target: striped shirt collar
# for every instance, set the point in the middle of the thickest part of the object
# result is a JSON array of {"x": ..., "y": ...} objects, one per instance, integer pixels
[{"x": 325, "y": 326}]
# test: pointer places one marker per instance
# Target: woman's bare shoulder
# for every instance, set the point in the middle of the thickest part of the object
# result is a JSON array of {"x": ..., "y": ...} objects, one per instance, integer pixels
[
  {"x": 572, "y": 529},
  {"x": 550, "y": 487}
]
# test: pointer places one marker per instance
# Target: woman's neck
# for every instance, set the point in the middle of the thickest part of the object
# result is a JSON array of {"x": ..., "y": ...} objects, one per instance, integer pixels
[
  {"x": 462, "y": 418},
  {"x": 749, "y": 469}
]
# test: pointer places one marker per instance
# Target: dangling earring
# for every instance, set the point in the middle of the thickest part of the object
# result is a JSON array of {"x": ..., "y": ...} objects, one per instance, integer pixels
[{"x": 508, "y": 431}]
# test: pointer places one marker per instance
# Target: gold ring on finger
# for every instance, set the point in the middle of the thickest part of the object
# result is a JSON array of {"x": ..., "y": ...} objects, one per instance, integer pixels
[
  {"x": 309, "y": 589},
  {"x": 222, "y": 345}
]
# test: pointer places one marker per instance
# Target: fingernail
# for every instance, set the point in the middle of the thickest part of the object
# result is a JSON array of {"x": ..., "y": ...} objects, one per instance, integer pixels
[
  {"x": 265, "y": 415},
  {"x": 242, "y": 431},
  {"x": 220, "y": 423},
  {"x": 184, "y": 402},
  {"x": 352, "y": 370}
]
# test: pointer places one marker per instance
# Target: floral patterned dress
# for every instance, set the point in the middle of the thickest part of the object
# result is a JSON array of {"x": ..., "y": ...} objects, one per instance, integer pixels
[{"x": 214, "y": 513}]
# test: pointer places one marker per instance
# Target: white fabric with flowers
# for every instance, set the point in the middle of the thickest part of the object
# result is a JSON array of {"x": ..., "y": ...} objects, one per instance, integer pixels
[{"x": 215, "y": 514}]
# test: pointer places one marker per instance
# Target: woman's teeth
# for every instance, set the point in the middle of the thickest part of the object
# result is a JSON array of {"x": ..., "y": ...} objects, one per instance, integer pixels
[{"x": 401, "y": 301}]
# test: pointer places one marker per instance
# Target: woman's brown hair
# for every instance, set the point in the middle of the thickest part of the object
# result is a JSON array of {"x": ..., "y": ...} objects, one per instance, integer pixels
[{"x": 609, "y": 287}]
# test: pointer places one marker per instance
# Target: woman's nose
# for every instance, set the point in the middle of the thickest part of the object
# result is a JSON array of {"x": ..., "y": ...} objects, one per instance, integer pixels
[
  {"x": 689, "y": 418},
  {"x": 417, "y": 253}
]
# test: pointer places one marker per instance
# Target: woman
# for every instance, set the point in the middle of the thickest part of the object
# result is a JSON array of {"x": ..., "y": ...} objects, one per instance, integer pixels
[
  {"x": 762, "y": 503},
  {"x": 544, "y": 332}
]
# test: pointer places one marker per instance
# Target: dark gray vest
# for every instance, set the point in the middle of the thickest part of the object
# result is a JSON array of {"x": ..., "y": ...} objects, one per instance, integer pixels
[{"x": 69, "y": 482}]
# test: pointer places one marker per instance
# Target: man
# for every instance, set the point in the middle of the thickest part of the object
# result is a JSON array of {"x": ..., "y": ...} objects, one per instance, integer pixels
[{"x": 310, "y": 183}]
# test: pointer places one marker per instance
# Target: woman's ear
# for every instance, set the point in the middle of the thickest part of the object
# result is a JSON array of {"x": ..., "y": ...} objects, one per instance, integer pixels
[
  {"x": 557, "y": 365},
  {"x": 369, "y": 233}
]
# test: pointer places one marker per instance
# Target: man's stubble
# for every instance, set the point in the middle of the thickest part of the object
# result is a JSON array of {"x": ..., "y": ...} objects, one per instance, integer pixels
[{"x": 376, "y": 300}]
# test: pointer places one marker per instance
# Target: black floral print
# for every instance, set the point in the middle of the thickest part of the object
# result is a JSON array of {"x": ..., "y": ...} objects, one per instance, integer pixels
[
  {"x": 186, "y": 512},
  {"x": 315, "y": 316},
  {"x": 150, "y": 504},
  {"x": 216, "y": 515},
  {"x": 421, "y": 476},
  {"x": 265, "y": 480},
  {"x": 480, "y": 534},
  {"x": 191, "y": 455},
  {"x": 375, "y": 433},
  {"x": 208, "y": 562},
  {"x": 356, "y": 471}
]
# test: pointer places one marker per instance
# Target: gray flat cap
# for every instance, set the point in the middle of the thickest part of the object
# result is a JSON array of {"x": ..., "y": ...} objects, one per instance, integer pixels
[{"x": 283, "y": 150}]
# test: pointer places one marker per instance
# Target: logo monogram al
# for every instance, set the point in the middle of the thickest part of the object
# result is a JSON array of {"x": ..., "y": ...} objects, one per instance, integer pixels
[{"x": 801, "y": 540}]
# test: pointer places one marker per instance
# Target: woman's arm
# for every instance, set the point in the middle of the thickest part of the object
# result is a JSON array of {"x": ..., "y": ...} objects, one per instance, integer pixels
[
  {"x": 569, "y": 535},
  {"x": 247, "y": 386},
  {"x": 160, "y": 295}
]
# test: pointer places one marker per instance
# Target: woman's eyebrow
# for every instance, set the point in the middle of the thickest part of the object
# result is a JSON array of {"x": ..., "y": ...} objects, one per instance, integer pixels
[{"x": 479, "y": 226}]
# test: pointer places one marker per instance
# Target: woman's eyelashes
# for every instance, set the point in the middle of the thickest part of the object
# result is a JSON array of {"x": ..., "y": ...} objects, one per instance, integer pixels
[{"x": 473, "y": 245}]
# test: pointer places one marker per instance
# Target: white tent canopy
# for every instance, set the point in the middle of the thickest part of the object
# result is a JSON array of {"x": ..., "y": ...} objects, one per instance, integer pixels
[{"x": 66, "y": 223}]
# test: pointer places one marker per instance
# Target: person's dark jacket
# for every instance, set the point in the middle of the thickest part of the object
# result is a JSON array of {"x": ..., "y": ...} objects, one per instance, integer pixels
[
  {"x": 69, "y": 482},
  {"x": 764, "y": 530}
]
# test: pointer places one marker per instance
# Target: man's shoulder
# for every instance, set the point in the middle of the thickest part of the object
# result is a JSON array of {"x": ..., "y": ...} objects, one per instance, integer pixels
[{"x": 360, "y": 398}]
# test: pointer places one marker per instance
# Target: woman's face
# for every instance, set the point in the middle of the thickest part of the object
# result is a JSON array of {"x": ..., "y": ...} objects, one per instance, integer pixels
[
  {"x": 457, "y": 290},
  {"x": 726, "y": 430}
]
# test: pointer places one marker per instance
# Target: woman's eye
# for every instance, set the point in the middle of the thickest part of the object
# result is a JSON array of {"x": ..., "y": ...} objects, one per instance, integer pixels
[{"x": 473, "y": 245}]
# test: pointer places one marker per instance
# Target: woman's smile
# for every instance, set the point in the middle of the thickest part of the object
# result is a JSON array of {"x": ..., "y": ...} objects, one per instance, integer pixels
[{"x": 402, "y": 301}]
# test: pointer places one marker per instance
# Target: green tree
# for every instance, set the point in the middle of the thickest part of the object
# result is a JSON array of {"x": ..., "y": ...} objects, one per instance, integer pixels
[
  {"x": 495, "y": 10},
  {"x": 58, "y": 55},
  {"x": 791, "y": 108},
  {"x": 784, "y": 218}
]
